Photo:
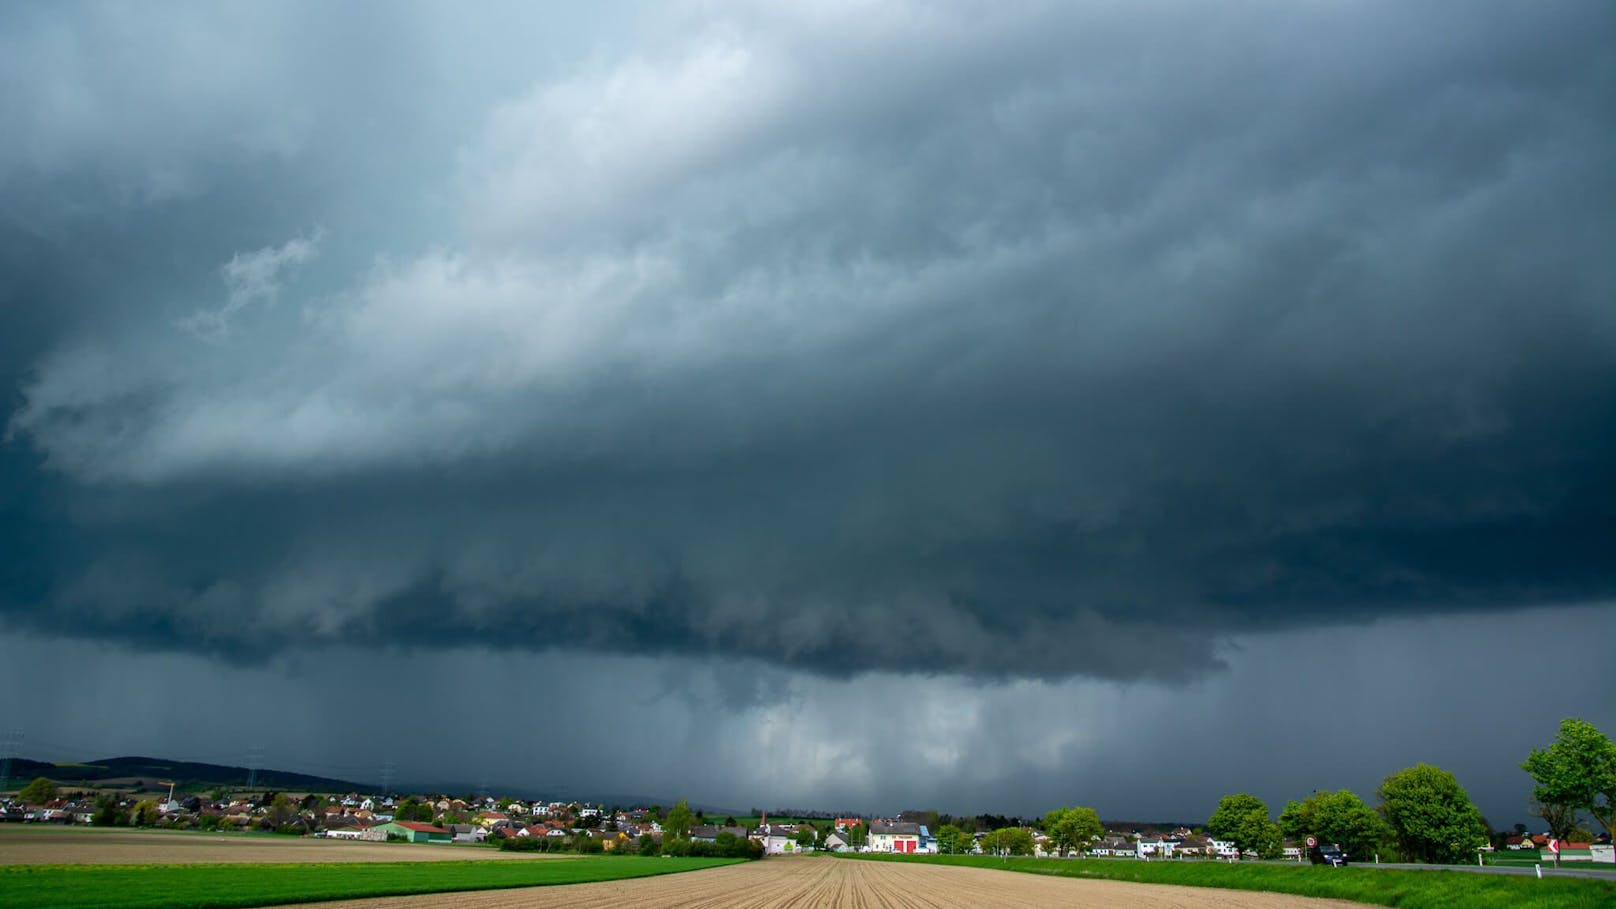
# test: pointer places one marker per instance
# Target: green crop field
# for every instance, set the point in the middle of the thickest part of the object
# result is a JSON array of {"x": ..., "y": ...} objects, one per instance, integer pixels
[
  {"x": 752, "y": 820},
  {"x": 1382, "y": 887},
  {"x": 196, "y": 886},
  {"x": 1526, "y": 857}
]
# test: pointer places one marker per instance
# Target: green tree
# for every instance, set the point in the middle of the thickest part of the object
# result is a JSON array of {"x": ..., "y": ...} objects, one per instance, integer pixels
[
  {"x": 1562, "y": 819},
  {"x": 282, "y": 810},
  {"x": 948, "y": 839},
  {"x": 1431, "y": 815},
  {"x": 40, "y": 791},
  {"x": 1072, "y": 829},
  {"x": 413, "y": 809},
  {"x": 1008, "y": 841},
  {"x": 1339, "y": 817},
  {"x": 1243, "y": 820},
  {"x": 146, "y": 814},
  {"x": 858, "y": 835},
  {"x": 108, "y": 813},
  {"x": 805, "y": 836},
  {"x": 1296, "y": 820},
  {"x": 1016, "y": 840},
  {"x": 990, "y": 842},
  {"x": 679, "y": 821},
  {"x": 1577, "y": 771}
]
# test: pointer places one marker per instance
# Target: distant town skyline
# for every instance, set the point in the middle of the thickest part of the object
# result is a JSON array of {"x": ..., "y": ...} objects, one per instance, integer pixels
[{"x": 897, "y": 405}]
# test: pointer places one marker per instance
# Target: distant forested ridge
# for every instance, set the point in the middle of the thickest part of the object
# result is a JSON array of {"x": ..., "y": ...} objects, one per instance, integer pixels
[{"x": 188, "y": 774}]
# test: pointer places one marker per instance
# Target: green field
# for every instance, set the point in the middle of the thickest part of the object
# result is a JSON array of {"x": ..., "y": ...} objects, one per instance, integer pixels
[
  {"x": 1527, "y": 857},
  {"x": 1383, "y": 887},
  {"x": 196, "y": 886},
  {"x": 750, "y": 821}
]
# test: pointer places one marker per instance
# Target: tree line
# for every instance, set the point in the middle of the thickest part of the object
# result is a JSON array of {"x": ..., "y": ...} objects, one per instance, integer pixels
[{"x": 1424, "y": 815}]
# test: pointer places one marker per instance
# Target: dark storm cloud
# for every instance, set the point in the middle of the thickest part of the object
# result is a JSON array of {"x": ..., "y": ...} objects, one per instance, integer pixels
[
  {"x": 1466, "y": 693},
  {"x": 898, "y": 339}
]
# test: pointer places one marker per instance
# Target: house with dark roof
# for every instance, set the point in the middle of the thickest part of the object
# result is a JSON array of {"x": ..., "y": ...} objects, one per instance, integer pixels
[
  {"x": 1113, "y": 845},
  {"x": 708, "y": 833},
  {"x": 898, "y": 836}
]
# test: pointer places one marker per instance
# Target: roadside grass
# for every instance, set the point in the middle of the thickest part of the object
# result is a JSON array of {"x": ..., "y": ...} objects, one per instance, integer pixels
[
  {"x": 1376, "y": 886},
  {"x": 199, "y": 886}
]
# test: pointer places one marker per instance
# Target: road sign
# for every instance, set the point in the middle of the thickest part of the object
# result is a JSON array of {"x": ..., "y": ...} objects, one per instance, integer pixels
[
  {"x": 1554, "y": 846},
  {"x": 1312, "y": 841}
]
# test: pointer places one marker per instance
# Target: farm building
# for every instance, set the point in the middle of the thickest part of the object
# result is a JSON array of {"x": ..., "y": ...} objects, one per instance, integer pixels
[
  {"x": 357, "y": 833},
  {"x": 415, "y": 832}
]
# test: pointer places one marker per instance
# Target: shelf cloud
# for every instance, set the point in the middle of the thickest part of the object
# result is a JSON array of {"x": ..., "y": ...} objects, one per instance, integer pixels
[{"x": 1026, "y": 343}]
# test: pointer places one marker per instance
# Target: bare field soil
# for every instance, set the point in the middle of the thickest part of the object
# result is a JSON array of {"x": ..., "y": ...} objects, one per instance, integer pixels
[
  {"x": 37, "y": 844},
  {"x": 790, "y": 883}
]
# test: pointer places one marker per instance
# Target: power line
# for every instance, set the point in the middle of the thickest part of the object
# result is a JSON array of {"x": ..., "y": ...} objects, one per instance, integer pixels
[
  {"x": 255, "y": 760},
  {"x": 12, "y": 746}
]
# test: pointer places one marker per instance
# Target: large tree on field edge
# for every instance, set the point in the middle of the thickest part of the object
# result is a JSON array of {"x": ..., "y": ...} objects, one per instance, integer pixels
[
  {"x": 1576, "y": 772},
  {"x": 1431, "y": 815},
  {"x": 1243, "y": 819}
]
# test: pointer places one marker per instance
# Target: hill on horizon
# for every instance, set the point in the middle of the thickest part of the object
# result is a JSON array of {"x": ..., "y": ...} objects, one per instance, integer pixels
[{"x": 190, "y": 775}]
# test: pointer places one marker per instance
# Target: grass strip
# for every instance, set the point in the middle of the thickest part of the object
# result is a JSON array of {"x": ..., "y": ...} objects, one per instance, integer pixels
[
  {"x": 1382, "y": 887},
  {"x": 240, "y": 885}
]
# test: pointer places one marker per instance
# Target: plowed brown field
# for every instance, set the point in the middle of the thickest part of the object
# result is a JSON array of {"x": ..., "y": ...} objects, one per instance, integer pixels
[
  {"x": 798, "y": 883},
  {"x": 41, "y": 845}
]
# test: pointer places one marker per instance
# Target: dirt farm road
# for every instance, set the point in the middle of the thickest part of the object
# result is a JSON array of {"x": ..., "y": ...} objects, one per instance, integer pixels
[{"x": 799, "y": 883}]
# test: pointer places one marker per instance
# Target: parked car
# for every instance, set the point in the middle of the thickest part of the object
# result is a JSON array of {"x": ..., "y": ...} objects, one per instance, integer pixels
[{"x": 1327, "y": 854}]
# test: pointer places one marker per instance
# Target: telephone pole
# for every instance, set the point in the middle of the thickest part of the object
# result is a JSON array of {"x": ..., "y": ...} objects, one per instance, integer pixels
[
  {"x": 13, "y": 744},
  {"x": 255, "y": 760}
]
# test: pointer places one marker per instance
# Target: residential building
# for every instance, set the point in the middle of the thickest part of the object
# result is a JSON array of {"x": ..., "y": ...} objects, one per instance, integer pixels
[{"x": 899, "y": 836}]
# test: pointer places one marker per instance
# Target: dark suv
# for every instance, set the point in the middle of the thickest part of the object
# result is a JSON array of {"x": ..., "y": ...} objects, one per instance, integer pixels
[{"x": 1327, "y": 854}]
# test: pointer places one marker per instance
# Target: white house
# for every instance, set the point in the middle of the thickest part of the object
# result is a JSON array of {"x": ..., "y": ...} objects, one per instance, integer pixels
[
  {"x": 1144, "y": 848},
  {"x": 898, "y": 837},
  {"x": 1113, "y": 845},
  {"x": 780, "y": 844}
]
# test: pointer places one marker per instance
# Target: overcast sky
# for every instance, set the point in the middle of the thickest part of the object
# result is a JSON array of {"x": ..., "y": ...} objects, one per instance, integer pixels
[{"x": 973, "y": 406}]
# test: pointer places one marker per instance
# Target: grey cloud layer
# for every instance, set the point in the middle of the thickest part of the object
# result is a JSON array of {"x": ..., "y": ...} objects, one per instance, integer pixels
[
  {"x": 1403, "y": 691},
  {"x": 904, "y": 338}
]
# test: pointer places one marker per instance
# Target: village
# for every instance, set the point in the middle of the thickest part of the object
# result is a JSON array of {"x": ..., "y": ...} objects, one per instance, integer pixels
[
  {"x": 555, "y": 826},
  {"x": 567, "y": 826}
]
